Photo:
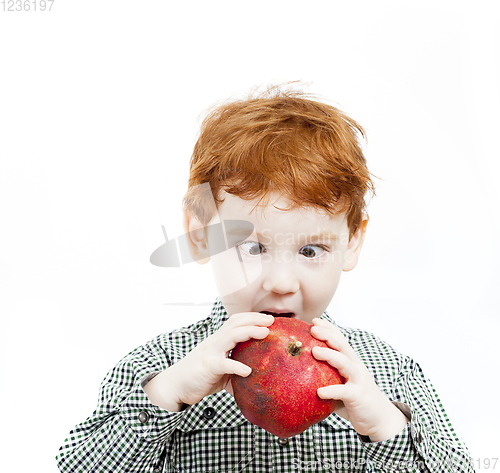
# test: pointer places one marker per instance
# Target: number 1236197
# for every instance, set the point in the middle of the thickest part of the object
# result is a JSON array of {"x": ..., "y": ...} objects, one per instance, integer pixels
[{"x": 27, "y": 5}]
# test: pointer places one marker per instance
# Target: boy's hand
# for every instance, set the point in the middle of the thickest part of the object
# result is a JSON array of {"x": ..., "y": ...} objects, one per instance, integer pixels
[
  {"x": 207, "y": 368},
  {"x": 360, "y": 401}
]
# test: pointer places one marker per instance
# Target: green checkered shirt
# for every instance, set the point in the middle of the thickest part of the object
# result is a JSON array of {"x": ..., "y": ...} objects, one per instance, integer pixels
[{"x": 126, "y": 433}]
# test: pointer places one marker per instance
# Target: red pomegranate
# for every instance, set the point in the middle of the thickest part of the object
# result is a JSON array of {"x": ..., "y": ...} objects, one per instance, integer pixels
[{"x": 280, "y": 395}]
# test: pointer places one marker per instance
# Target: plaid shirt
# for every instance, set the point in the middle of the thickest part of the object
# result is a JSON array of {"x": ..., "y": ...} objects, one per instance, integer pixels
[{"x": 126, "y": 433}]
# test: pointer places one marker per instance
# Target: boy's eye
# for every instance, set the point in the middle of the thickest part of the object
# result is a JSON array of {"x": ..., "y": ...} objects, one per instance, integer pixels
[
  {"x": 311, "y": 251},
  {"x": 251, "y": 248}
]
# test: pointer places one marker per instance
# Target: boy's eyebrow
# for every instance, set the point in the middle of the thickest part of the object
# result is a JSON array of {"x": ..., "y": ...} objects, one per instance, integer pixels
[
  {"x": 243, "y": 232},
  {"x": 325, "y": 236},
  {"x": 240, "y": 231}
]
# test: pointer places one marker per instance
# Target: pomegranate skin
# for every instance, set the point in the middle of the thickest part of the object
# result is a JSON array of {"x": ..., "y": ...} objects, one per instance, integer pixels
[{"x": 280, "y": 395}]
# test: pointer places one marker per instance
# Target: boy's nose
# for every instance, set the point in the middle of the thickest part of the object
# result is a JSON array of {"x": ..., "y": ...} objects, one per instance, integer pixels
[{"x": 280, "y": 278}]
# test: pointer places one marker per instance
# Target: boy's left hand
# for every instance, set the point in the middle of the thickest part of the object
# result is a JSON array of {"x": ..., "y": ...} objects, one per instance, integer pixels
[{"x": 359, "y": 400}]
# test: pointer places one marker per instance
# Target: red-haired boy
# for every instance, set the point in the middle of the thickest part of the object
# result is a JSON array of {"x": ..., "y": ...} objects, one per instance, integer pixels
[{"x": 294, "y": 169}]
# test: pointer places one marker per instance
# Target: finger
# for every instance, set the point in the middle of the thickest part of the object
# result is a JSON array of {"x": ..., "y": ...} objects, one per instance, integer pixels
[
  {"x": 336, "y": 392},
  {"x": 242, "y": 334},
  {"x": 230, "y": 366},
  {"x": 333, "y": 337},
  {"x": 320, "y": 322},
  {"x": 336, "y": 359},
  {"x": 249, "y": 318},
  {"x": 323, "y": 326},
  {"x": 344, "y": 392}
]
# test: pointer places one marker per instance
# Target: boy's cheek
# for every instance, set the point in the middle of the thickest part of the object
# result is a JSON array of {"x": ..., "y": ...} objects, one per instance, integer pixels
[{"x": 233, "y": 273}]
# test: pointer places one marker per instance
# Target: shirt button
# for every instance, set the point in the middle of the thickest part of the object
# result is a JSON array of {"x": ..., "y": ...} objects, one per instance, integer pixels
[
  {"x": 143, "y": 417},
  {"x": 209, "y": 413},
  {"x": 419, "y": 437},
  {"x": 282, "y": 442}
]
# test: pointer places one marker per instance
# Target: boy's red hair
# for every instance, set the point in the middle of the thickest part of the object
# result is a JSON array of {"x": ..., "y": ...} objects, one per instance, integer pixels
[{"x": 280, "y": 142}]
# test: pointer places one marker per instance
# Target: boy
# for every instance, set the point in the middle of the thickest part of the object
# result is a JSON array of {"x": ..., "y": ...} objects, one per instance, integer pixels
[{"x": 293, "y": 168}]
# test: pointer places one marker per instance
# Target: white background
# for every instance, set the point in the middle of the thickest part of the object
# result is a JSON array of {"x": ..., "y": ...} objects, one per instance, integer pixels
[{"x": 100, "y": 104}]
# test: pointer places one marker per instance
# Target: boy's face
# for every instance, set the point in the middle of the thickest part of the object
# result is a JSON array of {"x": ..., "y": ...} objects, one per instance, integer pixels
[{"x": 291, "y": 263}]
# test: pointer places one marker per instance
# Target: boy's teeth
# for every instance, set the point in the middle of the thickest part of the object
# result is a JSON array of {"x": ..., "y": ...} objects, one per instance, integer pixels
[{"x": 283, "y": 314}]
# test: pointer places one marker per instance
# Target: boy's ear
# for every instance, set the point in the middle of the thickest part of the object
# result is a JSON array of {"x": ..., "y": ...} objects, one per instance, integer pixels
[
  {"x": 354, "y": 246},
  {"x": 196, "y": 238}
]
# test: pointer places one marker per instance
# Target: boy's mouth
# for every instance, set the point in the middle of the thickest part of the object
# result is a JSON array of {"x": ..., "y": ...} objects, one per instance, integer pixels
[{"x": 277, "y": 314}]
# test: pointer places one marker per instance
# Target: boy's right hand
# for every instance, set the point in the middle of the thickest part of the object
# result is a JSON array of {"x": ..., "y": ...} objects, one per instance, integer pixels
[{"x": 207, "y": 368}]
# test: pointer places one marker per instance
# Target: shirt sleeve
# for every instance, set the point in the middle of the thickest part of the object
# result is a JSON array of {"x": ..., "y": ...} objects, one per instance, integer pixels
[
  {"x": 428, "y": 443},
  {"x": 126, "y": 432}
]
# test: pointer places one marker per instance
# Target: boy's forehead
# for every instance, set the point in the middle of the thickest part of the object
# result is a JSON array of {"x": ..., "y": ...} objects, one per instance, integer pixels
[
  {"x": 275, "y": 210},
  {"x": 268, "y": 207}
]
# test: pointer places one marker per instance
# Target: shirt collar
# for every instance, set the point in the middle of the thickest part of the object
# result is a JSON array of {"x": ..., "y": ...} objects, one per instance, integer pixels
[
  {"x": 218, "y": 315},
  {"x": 326, "y": 316}
]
